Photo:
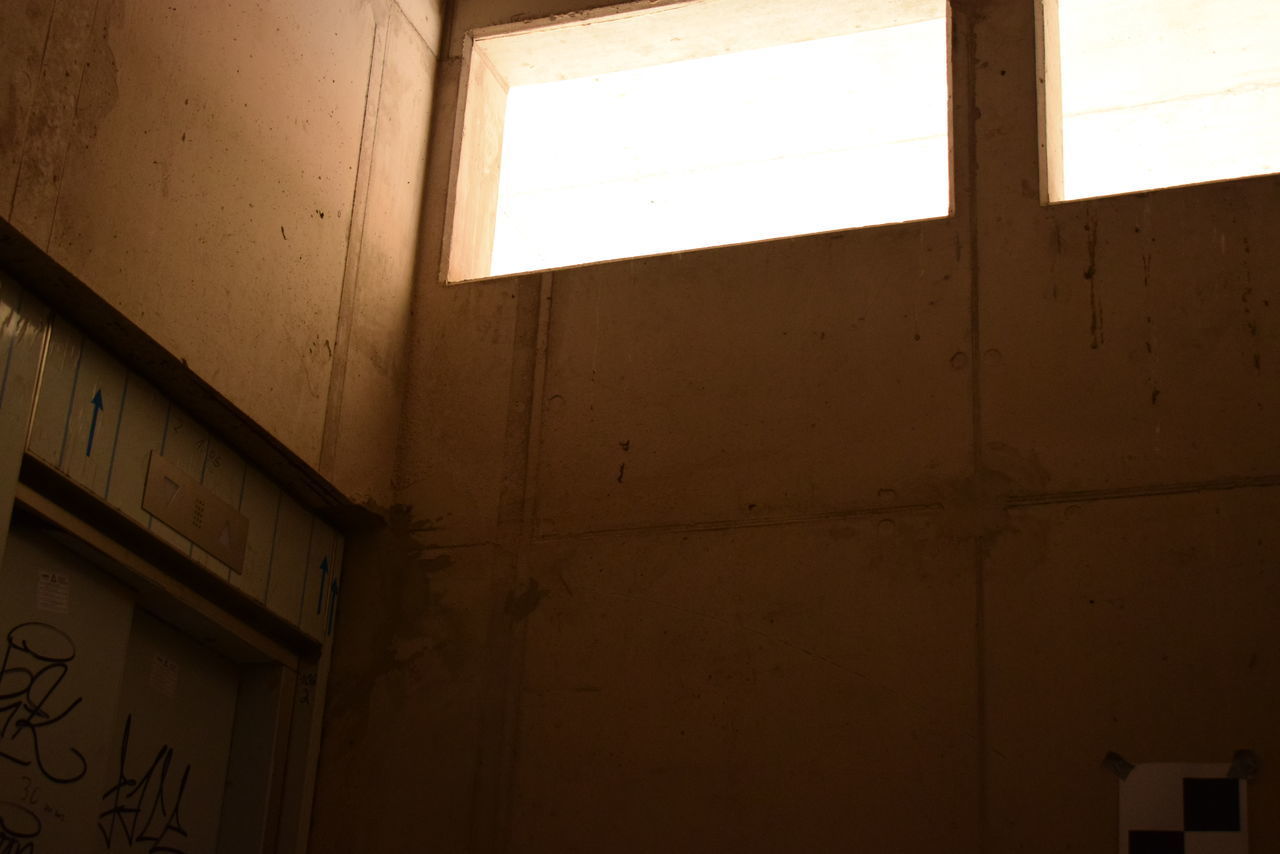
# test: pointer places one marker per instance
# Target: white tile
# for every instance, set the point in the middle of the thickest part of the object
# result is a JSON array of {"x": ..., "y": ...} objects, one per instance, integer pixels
[
  {"x": 93, "y": 418},
  {"x": 1216, "y": 843},
  {"x": 23, "y": 321},
  {"x": 322, "y": 575},
  {"x": 260, "y": 503},
  {"x": 185, "y": 444},
  {"x": 143, "y": 412},
  {"x": 56, "y": 384},
  {"x": 224, "y": 472},
  {"x": 289, "y": 555}
]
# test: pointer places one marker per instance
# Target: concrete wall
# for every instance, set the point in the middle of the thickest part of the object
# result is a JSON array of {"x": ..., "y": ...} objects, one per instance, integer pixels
[
  {"x": 242, "y": 180},
  {"x": 875, "y": 540}
]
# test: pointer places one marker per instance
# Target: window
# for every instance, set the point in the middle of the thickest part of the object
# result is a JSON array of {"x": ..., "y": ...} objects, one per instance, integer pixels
[
  {"x": 698, "y": 124},
  {"x": 1141, "y": 94}
]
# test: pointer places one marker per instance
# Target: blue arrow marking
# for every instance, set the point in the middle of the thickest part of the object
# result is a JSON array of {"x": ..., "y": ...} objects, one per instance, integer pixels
[
  {"x": 93, "y": 425},
  {"x": 324, "y": 575}
]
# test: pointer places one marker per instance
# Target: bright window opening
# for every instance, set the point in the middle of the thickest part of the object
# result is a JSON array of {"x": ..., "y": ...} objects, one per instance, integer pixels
[
  {"x": 1142, "y": 94},
  {"x": 699, "y": 124}
]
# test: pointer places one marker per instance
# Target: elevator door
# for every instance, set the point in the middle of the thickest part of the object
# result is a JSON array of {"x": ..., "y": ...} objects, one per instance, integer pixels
[{"x": 115, "y": 729}]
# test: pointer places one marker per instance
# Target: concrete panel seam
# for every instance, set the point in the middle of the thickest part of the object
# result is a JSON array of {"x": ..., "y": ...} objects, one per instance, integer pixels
[
  {"x": 732, "y": 524},
  {"x": 71, "y": 403},
  {"x": 1148, "y": 491},
  {"x": 111, "y": 464},
  {"x": 536, "y": 409},
  {"x": 440, "y": 548},
  {"x": 355, "y": 241},
  {"x": 515, "y": 662},
  {"x": 426, "y": 42},
  {"x": 969, "y": 65}
]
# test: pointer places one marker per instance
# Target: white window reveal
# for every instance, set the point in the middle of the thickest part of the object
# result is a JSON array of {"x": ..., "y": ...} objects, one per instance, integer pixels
[
  {"x": 1142, "y": 94},
  {"x": 686, "y": 125}
]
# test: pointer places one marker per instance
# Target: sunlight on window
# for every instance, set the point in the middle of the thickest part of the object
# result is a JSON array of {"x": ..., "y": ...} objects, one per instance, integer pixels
[
  {"x": 814, "y": 136},
  {"x": 1157, "y": 93}
]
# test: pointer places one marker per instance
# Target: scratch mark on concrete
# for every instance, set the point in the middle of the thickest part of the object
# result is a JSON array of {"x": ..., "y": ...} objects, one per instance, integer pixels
[
  {"x": 109, "y": 60},
  {"x": 1095, "y": 302},
  {"x": 1153, "y": 364},
  {"x": 35, "y": 85},
  {"x": 1250, "y": 323}
]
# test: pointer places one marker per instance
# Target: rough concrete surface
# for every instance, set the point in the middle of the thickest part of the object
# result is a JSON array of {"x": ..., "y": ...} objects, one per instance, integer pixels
[
  {"x": 662, "y": 381},
  {"x": 182, "y": 178},
  {"x": 402, "y": 723},
  {"x": 870, "y": 540},
  {"x": 879, "y": 539},
  {"x": 754, "y": 689},
  {"x": 1128, "y": 340},
  {"x": 453, "y": 468},
  {"x": 371, "y": 359},
  {"x": 198, "y": 164},
  {"x": 1142, "y": 626}
]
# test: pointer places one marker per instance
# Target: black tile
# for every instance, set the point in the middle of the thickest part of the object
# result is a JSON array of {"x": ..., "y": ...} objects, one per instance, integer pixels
[
  {"x": 1211, "y": 804},
  {"x": 1156, "y": 842}
]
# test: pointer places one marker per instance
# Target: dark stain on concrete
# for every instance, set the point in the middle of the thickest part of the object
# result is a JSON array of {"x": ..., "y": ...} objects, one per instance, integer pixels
[
  {"x": 520, "y": 605},
  {"x": 415, "y": 636},
  {"x": 1250, "y": 323}
]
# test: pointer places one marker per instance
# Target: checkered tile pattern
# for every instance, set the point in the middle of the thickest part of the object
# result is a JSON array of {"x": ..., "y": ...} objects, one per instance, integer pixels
[{"x": 1172, "y": 813}]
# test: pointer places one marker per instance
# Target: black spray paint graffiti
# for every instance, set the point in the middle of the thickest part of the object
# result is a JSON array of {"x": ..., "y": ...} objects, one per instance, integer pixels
[
  {"x": 36, "y": 660},
  {"x": 140, "y": 811},
  {"x": 19, "y": 827}
]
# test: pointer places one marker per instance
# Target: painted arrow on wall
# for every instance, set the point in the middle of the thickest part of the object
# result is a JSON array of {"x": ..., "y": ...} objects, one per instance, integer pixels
[{"x": 93, "y": 425}]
